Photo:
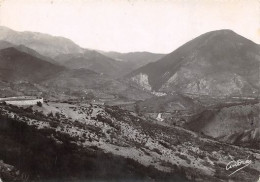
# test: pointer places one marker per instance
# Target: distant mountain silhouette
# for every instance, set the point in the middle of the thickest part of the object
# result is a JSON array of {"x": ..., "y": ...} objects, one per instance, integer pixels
[
  {"x": 45, "y": 44},
  {"x": 19, "y": 66},
  {"x": 110, "y": 63},
  {"x": 134, "y": 59},
  {"x": 93, "y": 60},
  {"x": 22, "y": 48},
  {"x": 59, "y": 50},
  {"x": 5, "y": 44}
]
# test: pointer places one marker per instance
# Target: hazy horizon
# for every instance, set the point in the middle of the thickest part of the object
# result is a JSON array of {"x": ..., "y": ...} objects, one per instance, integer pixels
[{"x": 132, "y": 26}]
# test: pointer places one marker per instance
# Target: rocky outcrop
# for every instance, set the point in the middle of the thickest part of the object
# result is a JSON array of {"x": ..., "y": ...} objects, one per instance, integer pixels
[
  {"x": 142, "y": 80},
  {"x": 10, "y": 173}
]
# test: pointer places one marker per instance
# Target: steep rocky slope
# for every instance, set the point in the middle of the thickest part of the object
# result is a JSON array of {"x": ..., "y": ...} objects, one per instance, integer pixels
[
  {"x": 237, "y": 123},
  {"x": 219, "y": 63},
  {"x": 247, "y": 138}
]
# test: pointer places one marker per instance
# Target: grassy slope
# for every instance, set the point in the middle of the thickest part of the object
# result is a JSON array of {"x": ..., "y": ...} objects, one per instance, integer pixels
[{"x": 151, "y": 149}]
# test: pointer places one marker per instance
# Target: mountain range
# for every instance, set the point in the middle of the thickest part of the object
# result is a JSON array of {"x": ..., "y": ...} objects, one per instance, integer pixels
[
  {"x": 37, "y": 58},
  {"x": 217, "y": 63},
  {"x": 44, "y": 44},
  {"x": 20, "y": 65},
  {"x": 60, "y": 50}
]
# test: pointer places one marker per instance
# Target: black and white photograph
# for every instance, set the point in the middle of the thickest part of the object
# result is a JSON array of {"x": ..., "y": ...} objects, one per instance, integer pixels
[{"x": 129, "y": 91}]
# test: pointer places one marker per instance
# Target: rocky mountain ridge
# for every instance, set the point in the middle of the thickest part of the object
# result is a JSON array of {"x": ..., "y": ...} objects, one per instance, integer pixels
[{"x": 219, "y": 63}]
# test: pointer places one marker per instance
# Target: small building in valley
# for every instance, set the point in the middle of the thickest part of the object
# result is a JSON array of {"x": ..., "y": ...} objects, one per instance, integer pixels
[{"x": 22, "y": 100}]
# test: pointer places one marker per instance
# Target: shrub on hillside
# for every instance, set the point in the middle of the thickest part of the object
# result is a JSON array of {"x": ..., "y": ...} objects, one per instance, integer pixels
[{"x": 39, "y": 104}]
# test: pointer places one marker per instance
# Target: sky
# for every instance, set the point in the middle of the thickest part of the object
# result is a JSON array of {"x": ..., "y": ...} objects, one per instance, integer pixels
[{"x": 158, "y": 26}]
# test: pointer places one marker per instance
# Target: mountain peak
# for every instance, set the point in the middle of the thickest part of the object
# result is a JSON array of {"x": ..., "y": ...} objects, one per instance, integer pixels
[
  {"x": 226, "y": 35},
  {"x": 199, "y": 65},
  {"x": 223, "y": 31}
]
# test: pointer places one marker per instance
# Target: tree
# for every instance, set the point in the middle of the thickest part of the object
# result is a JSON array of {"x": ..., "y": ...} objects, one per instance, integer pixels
[
  {"x": 57, "y": 115},
  {"x": 39, "y": 104},
  {"x": 50, "y": 114}
]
